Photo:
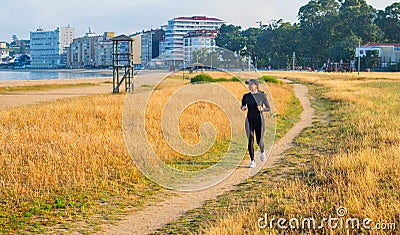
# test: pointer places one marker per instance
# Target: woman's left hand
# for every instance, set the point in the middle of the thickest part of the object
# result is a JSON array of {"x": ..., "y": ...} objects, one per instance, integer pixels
[{"x": 260, "y": 108}]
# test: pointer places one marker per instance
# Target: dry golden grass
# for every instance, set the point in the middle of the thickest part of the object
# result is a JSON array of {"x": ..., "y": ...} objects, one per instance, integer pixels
[
  {"x": 189, "y": 123},
  {"x": 362, "y": 174},
  {"x": 195, "y": 115},
  {"x": 60, "y": 161},
  {"x": 62, "y": 147},
  {"x": 321, "y": 76}
]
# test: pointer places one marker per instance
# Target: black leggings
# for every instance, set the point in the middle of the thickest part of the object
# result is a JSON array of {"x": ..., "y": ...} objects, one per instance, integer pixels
[{"x": 255, "y": 125}]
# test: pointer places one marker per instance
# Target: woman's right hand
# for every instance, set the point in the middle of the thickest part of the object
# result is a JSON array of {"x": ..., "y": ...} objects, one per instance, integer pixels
[{"x": 244, "y": 108}]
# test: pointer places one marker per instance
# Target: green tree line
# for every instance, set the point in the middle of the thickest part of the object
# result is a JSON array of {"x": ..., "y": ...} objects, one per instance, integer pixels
[{"x": 327, "y": 29}]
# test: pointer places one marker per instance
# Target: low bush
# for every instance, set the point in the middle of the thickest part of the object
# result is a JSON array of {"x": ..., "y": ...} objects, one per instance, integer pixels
[
  {"x": 271, "y": 79},
  {"x": 201, "y": 78}
]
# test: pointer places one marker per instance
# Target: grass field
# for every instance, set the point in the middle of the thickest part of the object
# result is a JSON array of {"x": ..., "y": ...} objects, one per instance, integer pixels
[
  {"x": 349, "y": 158},
  {"x": 64, "y": 166}
]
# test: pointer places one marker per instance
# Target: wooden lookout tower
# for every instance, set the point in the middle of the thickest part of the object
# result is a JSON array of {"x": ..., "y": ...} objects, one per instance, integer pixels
[{"x": 123, "y": 67}]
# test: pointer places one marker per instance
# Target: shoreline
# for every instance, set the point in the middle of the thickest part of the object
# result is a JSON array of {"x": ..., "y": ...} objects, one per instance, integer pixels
[
  {"x": 49, "y": 76},
  {"x": 13, "y": 83},
  {"x": 59, "y": 70}
]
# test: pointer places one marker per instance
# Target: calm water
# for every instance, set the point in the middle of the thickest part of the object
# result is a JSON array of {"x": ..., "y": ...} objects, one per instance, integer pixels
[{"x": 8, "y": 75}]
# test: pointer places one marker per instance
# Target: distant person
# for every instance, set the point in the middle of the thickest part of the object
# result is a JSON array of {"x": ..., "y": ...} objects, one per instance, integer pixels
[{"x": 255, "y": 102}]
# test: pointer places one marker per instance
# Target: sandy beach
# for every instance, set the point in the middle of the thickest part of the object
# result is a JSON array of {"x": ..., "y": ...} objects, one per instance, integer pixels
[
  {"x": 54, "y": 81},
  {"x": 15, "y": 99}
]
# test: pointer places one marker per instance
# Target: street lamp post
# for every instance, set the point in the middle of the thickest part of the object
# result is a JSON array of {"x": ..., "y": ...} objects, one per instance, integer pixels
[
  {"x": 294, "y": 60},
  {"x": 184, "y": 69},
  {"x": 359, "y": 57},
  {"x": 211, "y": 60},
  {"x": 249, "y": 62}
]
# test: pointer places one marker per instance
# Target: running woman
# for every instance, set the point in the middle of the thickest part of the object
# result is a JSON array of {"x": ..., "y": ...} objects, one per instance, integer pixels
[{"x": 255, "y": 102}]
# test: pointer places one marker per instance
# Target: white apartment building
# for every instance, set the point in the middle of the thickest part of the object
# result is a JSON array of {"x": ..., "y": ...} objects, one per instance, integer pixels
[
  {"x": 81, "y": 52},
  {"x": 104, "y": 49},
  {"x": 90, "y": 50},
  {"x": 103, "y": 53},
  {"x": 198, "y": 40},
  {"x": 388, "y": 53},
  {"x": 47, "y": 46},
  {"x": 177, "y": 28}
]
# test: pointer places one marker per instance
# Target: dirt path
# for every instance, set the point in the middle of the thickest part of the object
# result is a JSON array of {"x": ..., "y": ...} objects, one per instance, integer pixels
[{"x": 156, "y": 215}]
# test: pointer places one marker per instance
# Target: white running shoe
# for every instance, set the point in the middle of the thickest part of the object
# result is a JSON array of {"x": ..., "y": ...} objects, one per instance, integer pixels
[
  {"x": 252, "y": 164},
  {"x": 262, "y": 156}
]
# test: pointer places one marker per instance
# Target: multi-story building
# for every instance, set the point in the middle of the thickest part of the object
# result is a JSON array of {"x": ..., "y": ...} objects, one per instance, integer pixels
[
  {"x": 4, "y": 52},
  {"x": 387, "y": 53},
  {"x": 137, "y": 49},
  {"x": 178, "y": 27},
  {"x": 47, "y": 47},
  {"x": 150, "y": 44},
  {"x": 103, "y": 50},
  {"x": 81, "y": 53},
  {"x": 94, "y": 50},
  {"x": 3, "y": 45},
  {"x": 198, "y": 40},
  {"x": 162, "y": 47}
]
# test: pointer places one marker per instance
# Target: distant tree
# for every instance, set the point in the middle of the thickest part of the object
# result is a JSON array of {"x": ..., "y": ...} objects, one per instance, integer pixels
[
  {"x": 317, "y": 12},
  {"x": 250, "y": 38},
  {"x": 389, "y": 22},
  {"x": 327, "y": 29},
  {"x": 277, "y": 44},
  {"x": 356, "y": 17},
  {"x": 230, "y": 37},
  {"x": 344, "y": 49},
  {"x": 318, "y": 19}
]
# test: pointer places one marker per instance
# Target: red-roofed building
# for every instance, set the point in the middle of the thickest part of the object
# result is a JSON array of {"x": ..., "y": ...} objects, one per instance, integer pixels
[
  {"x": 179, "y": 27},
  {"x": 198, "y": 18},
  {"x": 382, "y": 44},
  {"x": 388, "y": 53}
]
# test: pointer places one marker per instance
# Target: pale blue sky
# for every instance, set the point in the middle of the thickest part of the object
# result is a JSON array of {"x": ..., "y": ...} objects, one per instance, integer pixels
[{"x": 129, "y": 16}]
